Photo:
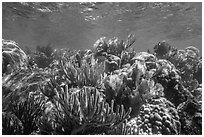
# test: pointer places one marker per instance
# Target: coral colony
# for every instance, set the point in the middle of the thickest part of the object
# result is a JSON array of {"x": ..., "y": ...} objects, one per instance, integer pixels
[{"x": 109, "y": 90}]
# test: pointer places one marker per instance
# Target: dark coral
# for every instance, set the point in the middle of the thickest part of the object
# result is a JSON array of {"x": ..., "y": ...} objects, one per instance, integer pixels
[{"x": 190, "y": 113}]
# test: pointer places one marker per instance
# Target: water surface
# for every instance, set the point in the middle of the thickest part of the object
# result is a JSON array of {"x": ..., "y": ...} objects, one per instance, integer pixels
[{"x": 79, "y": 25}]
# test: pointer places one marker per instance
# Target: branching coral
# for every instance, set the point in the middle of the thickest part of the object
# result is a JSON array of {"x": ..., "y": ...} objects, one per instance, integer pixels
[
  {"x": 11, "y": 125},
  {"x": 86, "y": 75},
  {"x": 83, "y": 111},
  {"x": 28, "y": 112},
  {"x": 119, "y": 130},
  {"x": 22, "y": 116}
]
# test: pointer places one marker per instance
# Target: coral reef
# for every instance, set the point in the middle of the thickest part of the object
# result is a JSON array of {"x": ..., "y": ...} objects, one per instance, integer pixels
[{"x": 110, "y": 90}]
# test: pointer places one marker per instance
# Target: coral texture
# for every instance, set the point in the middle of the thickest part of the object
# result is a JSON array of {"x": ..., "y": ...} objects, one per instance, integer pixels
[{"x": 110, "y": 90}]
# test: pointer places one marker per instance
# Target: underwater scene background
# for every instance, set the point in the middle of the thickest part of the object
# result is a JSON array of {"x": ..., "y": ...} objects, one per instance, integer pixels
[{"x": 101, "y": 68}]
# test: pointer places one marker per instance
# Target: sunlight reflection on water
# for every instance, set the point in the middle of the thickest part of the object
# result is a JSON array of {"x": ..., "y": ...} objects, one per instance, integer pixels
[{"x": 79, "y": 25}]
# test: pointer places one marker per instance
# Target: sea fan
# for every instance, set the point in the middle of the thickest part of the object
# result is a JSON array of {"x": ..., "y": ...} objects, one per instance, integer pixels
[{"x": 103, "y": 47}]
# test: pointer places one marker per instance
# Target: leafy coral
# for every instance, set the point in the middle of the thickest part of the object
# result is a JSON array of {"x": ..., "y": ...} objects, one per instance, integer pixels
[{"x": 187, "y": 61}]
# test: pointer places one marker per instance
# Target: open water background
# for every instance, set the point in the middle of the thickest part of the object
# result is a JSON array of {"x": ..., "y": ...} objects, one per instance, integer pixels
[{"x": 79, "y": 25}]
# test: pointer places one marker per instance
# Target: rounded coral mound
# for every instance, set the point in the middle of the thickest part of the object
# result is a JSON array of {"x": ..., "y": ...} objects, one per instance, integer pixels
[
  {"x": 13, "y": 56},
  {"x": 158, "y": 116}
]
